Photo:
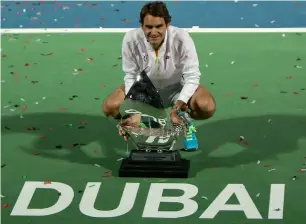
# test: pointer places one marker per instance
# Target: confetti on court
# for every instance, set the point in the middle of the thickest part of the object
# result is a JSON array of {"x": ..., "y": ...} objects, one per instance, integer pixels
[
  {"x": 6, "y": 205},
  {"x": 64, "y": 132},
  {"x": 108, "y": 173}
]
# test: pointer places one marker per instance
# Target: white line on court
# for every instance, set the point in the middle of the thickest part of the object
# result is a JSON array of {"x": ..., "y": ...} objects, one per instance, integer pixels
[{"x": 194, "y": 29}]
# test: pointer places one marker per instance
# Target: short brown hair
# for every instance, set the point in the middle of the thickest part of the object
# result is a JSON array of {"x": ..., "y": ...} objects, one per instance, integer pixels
[{"x": 156, "y": 9}]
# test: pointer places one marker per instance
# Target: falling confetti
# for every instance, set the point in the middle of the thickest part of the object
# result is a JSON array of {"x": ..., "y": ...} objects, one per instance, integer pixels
[{"x": 25, "y": 74}]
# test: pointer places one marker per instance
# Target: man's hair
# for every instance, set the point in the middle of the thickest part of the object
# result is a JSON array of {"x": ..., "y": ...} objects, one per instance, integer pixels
[{"x": 156, "y": 9}]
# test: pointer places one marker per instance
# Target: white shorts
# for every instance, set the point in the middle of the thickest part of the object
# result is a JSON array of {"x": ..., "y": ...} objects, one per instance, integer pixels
[{"x": 170, "y": 94}]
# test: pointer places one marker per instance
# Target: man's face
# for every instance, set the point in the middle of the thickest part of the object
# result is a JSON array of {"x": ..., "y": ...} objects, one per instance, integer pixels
[{"x": 155, "y": 29}]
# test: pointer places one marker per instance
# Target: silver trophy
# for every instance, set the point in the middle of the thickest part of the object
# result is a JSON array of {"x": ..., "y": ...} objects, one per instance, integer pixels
[{"x": 147, "y": 123}]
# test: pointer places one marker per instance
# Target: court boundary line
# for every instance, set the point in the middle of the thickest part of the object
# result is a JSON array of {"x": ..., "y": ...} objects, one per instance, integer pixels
[{"x": 193, "y": 29}]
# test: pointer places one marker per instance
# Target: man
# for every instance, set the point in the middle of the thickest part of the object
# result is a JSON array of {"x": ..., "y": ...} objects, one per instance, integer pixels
[{"x": 172, "y": 64}]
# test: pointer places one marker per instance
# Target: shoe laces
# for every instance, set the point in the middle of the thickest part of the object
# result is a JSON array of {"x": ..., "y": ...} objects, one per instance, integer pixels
[{"x": 190, "y": 129}]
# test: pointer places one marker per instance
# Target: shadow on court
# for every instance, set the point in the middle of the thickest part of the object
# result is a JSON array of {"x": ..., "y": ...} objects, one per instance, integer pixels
[{"x": 266, "y": 139}]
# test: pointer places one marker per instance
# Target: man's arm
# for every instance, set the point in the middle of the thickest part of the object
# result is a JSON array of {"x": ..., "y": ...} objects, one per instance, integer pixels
[
  {"x": 129, "y": 65},
  {"x": 191, "y": 72}
]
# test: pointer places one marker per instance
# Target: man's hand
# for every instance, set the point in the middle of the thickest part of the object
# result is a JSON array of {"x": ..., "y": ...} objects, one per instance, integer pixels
[
  {"x": 180, "y": 105},
  {"x": 132, "y": 121},
  {"x": 176, "y": 120}
]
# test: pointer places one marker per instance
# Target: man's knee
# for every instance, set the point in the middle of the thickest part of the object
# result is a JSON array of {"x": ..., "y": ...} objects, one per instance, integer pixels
[
  {"x": 203, "y": 103},
  {"x": 207, "y": 106},
  {"x": 112, "y": 103},
  {"x": 110, "y": 107}
]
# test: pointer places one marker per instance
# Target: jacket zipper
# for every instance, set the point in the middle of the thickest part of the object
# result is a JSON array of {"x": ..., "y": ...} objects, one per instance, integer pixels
[{"x": 157, "y": 67}]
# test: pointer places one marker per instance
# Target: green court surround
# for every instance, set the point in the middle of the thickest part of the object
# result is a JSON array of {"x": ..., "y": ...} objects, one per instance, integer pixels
[{"x": 53, "y": 128}]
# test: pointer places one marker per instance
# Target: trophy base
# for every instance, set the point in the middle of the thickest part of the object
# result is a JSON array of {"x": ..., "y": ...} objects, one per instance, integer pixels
[{"x": 154, "y": 164}]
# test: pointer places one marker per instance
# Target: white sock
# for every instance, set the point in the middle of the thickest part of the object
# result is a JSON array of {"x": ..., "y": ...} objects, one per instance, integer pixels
[{"x": 188, "y": 117}]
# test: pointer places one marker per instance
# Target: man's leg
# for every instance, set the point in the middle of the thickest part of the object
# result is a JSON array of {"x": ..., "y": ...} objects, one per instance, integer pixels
[
  {"x": 112, "y": 103},
  {"x": 202, "y": 104}
]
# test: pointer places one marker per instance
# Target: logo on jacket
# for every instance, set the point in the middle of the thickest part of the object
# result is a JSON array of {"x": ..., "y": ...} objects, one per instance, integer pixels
[
  {"x": 145, "y": 57},
  {"x": 167, "y": 57}
]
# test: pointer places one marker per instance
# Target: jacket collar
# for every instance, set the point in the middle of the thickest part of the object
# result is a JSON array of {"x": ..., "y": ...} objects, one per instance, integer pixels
[{"x": 162, "y": 48}]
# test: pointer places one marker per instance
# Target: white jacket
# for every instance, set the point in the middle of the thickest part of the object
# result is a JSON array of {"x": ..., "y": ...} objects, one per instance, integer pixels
[{"x": 177, "y": 61}]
